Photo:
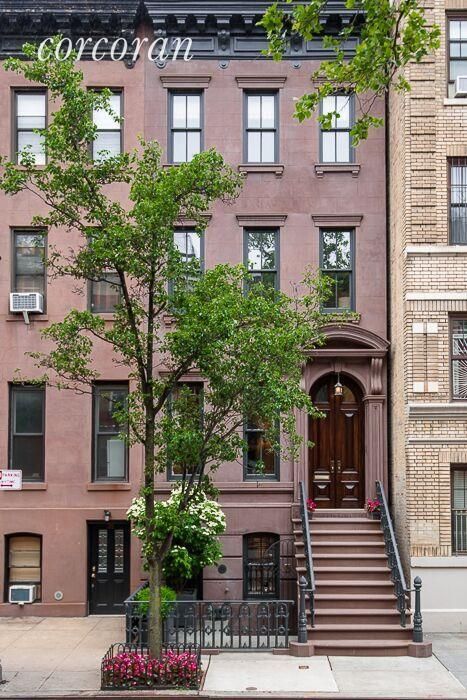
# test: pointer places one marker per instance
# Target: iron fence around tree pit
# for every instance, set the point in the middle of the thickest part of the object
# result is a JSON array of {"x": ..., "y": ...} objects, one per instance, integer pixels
[{"x": 234, "y": 624}]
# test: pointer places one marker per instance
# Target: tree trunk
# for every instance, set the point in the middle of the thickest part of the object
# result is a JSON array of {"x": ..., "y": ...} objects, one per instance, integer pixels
[
  {"x": 154, "y": 559},
  {"x": 155, "y": 618}
]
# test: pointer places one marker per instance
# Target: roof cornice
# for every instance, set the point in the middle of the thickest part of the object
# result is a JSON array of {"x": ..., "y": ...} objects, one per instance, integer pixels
[{"x": 220, "y": 29}]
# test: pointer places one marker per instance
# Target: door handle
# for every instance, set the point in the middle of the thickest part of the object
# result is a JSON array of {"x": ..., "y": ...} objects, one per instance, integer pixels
[
  {"x": 332, "y": 466},
  {"x": 338, "y": 466}
]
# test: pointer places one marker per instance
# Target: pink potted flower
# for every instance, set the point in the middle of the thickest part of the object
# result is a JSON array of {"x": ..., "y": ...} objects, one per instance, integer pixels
[
  {"x": 310, "y": 506},
  {"x": 373, "y": 508}
]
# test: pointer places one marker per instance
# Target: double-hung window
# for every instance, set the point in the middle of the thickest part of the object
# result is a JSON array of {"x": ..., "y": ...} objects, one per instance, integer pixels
[
  {"x": 27, "y": 428},
  {"x": 29, "y": 261},
  {"x": 190, "y": 244},
  {"x": 336, "y": 262},
  {"x": 457, "y": 47},
  {"x": 186, "y": 125},
  {"x": 187, "y": 397},
  {"x": 108, "y": 140},
  {"x": 23, "y": 561},
  {"x": 105, "y": 293},
  {"x": 261, "y": 142},
  {"x": 110, "y": 447},
  {"x": 335, "y": 143},
  {"x": 458, "y": 200},
  {"x": 30, "y": 114},
  {"x": 262, "y": 256},
  {"x": 459, "y": 358},
  {"x": 261, "y": 460},
  {"x": 459, "y": 510}
]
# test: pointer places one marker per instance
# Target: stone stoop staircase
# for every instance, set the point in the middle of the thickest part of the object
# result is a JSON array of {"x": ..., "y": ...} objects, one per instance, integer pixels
[{"x": 355, "y": 605}]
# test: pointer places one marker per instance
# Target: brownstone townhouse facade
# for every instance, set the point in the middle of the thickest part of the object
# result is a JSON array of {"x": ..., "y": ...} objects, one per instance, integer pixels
[{"x": 308, "y": 197}]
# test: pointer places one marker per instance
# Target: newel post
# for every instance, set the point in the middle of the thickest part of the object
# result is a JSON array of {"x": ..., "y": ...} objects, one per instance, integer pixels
[
  {"x": 302, "y": 631},
  {"x": 417, "y": 618}
]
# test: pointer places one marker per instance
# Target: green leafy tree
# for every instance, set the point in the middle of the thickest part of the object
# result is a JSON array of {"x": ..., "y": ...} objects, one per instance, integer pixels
[
  {"x": 247, "y": 342},
  {"x": 390, "y": 33}
]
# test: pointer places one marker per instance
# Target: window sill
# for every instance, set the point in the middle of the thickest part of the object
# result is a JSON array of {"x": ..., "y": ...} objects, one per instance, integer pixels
[
  {"x": 168, "y": 319},
  {"x": 41, "y": 318},
  {"x": 455, "y": 101},
  {"x": 276, "y": 168},
  {"x": 321, "y": 169},
  {"x": 108, "y": 486},
  {"x": 34, "y": 486},
  {"x": 104, "y": 315}
]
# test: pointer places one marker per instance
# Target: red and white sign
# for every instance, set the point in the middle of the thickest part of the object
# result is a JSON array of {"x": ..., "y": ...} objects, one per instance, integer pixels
[{"x": 11, "y": 479}]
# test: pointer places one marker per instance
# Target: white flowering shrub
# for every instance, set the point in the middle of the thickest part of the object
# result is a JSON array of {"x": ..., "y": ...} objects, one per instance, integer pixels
[{"x": 195, "y": 531}]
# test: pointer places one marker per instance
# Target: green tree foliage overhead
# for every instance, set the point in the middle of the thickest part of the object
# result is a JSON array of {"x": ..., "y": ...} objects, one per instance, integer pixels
[{"x": 390, "y": 33}]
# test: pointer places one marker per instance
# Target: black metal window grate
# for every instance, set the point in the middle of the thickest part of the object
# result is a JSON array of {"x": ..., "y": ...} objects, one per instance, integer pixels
[
  {"x": 458, "y": 201},
  {"x": 459, "y": 510},
  {"x": 459, "y": 358},
  {"x": 261, "y": 562}
]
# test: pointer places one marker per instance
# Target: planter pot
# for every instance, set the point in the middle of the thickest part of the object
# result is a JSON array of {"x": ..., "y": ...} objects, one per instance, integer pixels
[{"x": 375, "y": 515}]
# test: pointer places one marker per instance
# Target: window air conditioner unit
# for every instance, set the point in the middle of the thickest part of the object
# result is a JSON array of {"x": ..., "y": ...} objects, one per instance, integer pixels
[
  {"x": 31, "y": 302},
  {"x": 461, "y": 86},
  {"x": 22, "y": 594}
]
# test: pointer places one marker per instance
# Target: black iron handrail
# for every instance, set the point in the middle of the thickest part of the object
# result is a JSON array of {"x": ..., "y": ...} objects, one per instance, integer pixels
[
  {"x": 308, "y": 553},
  {"x": 397, "y": 573}
]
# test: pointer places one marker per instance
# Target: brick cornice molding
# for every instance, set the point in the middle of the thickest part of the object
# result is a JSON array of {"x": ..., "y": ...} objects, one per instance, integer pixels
[
  {"x": 436, "y": 250},
  {"x": 200, "y": 82},
  {"x": 276, "y": 220},
  {"x": 261, "y": 82},
  {"x": 324, "y": 220},
  {"x": 439, "y": 411},
  {"x": 436, "y": 296}
]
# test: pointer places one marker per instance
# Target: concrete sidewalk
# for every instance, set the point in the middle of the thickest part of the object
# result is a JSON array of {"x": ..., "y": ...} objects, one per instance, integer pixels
[{"x": 57, "y": 657}]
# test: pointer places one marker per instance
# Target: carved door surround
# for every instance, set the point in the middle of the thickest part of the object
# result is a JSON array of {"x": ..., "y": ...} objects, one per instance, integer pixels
[{"x": 359, "y": 355}]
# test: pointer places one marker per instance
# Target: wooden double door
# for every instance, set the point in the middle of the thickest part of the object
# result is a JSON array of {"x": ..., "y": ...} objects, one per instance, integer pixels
[{"x": 336, "y": 477}]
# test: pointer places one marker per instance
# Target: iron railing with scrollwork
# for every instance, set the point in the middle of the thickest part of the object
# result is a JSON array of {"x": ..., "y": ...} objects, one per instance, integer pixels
[
  {"x": 392, "y": 551},
  {"x": 308, "y": 552},
  {"x": 233, "y": 624}
]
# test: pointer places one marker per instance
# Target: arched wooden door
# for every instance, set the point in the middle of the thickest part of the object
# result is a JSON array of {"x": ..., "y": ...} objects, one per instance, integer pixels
[{"x": 337, "y": 463}]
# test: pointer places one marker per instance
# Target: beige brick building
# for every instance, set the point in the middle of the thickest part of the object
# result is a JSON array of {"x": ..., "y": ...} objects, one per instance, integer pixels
[{"x": 428, "y": 299}]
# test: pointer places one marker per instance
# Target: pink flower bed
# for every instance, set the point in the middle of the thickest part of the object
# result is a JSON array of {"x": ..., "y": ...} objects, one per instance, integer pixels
[{"x": 132, "y": 669}]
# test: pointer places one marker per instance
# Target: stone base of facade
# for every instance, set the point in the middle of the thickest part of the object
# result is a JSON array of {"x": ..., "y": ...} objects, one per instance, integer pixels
[
  {"x": 444, "y": 583},
  {"x": 44, "y": 610},
  {"x": 301, "y": 649},
  {"x": 445, "y": 621},
  {"x": 420, "y": 650}
]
